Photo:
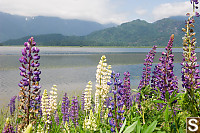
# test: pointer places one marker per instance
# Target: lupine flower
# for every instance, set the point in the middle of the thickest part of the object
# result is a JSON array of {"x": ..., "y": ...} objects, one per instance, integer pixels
[
  {"x": 8, "y": 128},
  {"x": 30, "y": 88},
  {"x": 87, "y": 97},
  {"x": 12, "y": 105},
  {"x": 106, "y": 114},
  {"x": 37, "y": 109},
  {"x": 163, "y": 77},
  {"x": 40, "y": 129},
  {"x": 103, "y": 73},
  {"x": 147, "y": 68},
  {"x": 53, "y": 100},
  {"x": 146, "y": 72},
  {"x": 189, "y": 65},
  {"x": 65, "y": 108},
  {"x": 190, "y": 73},
  {"x": 82, "y": 101},
  {"x": 195, "y": 1},
  {"x": 45, "y": 106},
  {"x": 117, "y": 102},
  {"x": 66, "y": 127},
  {"x": 127, "y": 90},
  {"x": 90, "y": 123},
  {"x": 74, "y": 111},
  {"x": 57, "y": 118}
]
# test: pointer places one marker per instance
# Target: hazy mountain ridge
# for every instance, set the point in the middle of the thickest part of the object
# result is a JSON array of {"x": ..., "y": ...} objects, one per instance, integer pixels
[
  {"x": 134, "y": 33},
  {"x": 14, "y": 26}
]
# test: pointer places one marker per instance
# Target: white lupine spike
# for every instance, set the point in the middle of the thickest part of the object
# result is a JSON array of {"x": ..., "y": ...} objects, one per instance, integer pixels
[
  {"x": 90, "y": 123},
  {"x": 102, "y": 77},
  {"x": 45, "y": 105},
  {"x": 66, "y": 127},
  {"x": 40, "y": 129},
  {"x": 53, "y": 100},
  {"x": 87, "y": 99}
]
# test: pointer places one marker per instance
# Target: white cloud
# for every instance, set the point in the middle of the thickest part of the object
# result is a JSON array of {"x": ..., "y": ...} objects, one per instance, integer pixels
[
  {"x": 141, "y": 11},
  {"x": 171, "y": 9},
  {"x": 97, "y": 10}
]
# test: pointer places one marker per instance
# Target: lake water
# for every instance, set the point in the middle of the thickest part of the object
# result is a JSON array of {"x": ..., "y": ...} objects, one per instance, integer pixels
[{"x": 70, "y": 68}]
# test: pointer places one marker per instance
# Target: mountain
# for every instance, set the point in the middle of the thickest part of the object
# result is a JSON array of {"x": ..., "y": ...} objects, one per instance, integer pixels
[
  {"x": 14, "y": 26},
  {"x": 134, "y": 33},
  {"x": 141, "y": 33}
]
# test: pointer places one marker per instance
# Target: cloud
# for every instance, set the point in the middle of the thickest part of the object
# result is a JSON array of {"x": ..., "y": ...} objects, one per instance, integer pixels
[
  {"x": 171, "y": 9},
  {"x": 141, "y": 11},
  {"x": 97, "y": 10}
]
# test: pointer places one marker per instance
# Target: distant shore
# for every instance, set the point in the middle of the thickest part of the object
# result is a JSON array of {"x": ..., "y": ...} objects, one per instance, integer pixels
[{"x": 94, "y": 46}]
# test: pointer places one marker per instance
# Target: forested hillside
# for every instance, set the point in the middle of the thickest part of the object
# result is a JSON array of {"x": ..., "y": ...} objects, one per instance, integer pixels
[{"x": 134, "y": 33}]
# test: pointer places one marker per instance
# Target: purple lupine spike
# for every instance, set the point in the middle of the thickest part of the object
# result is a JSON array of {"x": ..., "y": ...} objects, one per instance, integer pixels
[
  {"x": 163, "y": 76},
  {"x": 127, "y": 90},
  {"x": 147, "y": 68},
  {"x": 65, "y": 108},
  {"x": 190, "y": 79},
  {"x": 195, "y": 1},
  {"x": 117, "y": 102},
  {"x": 146, "y": 72},
  {"x": 30, "y": 88},
  {"x": 38, "y": 102},
  {"x": 74, "y": 111},
  {"x": 8, "y": 128},
  {"x": 12, "y": 105},
  {"x": 57, "y": 118}
]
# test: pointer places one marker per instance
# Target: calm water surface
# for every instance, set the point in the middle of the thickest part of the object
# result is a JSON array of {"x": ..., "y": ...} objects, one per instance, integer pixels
[{"x": 71, "y": 68}]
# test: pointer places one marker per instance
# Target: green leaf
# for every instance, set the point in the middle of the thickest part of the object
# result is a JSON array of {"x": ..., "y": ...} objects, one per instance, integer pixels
[
  {"x": 167, "y": 113},
  {"x": 101, "y": 130},
  {"x": 159, "y": 101},
  {"x": 161, "y": 111},
  {"x": 131, "y": 127},
  {"x": 181, "y": 130},
  {"x": 174, "y": 98},
  {"x": 167, "y": 95},
  {"x": 116, "y": 130},
  {"x": 174, "y": 93},
  {"x": 147, "y": 87},
  {"x": 135, "y": 90},
  {"x": 158, "y": 128},
  {"x": 161, "y": 132},
  {"x": 138, "y": 126},
  {"x": 197, "y": 90},
  {"x": 142, "y": 94},
  {"x": 122, "y": 128},
  {"x": 151, "y": 127}
]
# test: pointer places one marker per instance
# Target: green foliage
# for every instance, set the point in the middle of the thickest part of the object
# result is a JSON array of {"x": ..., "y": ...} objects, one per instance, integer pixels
[
  {"x": 151, "y": 127},
  {"x": 131, "y": 128}
]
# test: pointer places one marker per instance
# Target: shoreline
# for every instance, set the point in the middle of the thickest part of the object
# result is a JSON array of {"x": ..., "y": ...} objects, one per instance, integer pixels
[{"x": 94, "y": 46}]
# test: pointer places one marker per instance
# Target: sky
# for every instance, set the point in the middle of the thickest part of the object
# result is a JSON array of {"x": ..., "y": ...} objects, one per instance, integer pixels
[{"x": 102, "y": 11}]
